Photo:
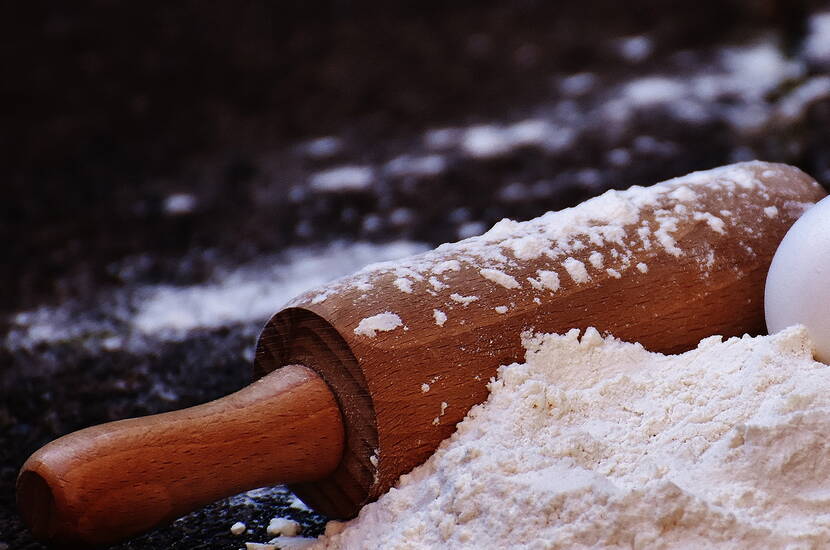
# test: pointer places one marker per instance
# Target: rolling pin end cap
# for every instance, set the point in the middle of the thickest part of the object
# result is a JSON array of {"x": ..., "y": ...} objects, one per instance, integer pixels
[
  {"x": 39, "y": 510},
  {"x": 36, "y": 504}
]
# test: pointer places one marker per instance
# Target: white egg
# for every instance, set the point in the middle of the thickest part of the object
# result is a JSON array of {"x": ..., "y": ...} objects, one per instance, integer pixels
[{"x": 798, "y": 283}]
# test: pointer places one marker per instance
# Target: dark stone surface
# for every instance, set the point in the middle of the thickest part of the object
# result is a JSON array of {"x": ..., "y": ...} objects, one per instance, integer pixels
[{"x": 111, "y": 108}]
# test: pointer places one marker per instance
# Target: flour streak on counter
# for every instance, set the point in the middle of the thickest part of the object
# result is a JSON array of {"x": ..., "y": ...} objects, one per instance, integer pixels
[{"x": 244, "y": 294}]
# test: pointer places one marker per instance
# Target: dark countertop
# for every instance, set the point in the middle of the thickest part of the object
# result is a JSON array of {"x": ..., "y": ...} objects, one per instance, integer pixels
[{"x": 159, "y": 159}]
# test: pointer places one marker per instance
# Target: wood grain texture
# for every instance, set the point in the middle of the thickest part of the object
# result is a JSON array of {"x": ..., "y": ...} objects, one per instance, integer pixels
[
  {"x": 715, "y": 286},
  {"x": 108, "y": 482}
]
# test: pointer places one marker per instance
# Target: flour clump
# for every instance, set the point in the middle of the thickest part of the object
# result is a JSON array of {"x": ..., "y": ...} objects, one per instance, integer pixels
[{"x": 594, "y": 442}]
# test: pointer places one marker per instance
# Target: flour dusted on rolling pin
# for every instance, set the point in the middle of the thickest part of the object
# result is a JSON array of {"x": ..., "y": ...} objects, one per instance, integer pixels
[
  {"x": 606, "y": 232},
  {"x": 597, "y": 443},
  {"x": 381, "y": 322}
]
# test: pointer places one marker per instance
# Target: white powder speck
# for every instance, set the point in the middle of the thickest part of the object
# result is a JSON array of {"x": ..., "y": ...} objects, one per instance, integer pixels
[
  {"x": 817, "y": 42},
  {"x": 635, "y": 48},
  {"x": 577, "y": 84},
  {"x": 424, "y": 387},
  {"x": 283, "y": 527},
  {"x": 382, "y": 322},
  {"x": 619, "y": 157},
  {"x": 501, "y": 309},
  {"x": 442, "y": 138},
  {"x": 654, "y": 90},
  {"x": 548, "y": 279},
  {"x": 642, "y": 268},
  {"x": 500, "y": 277},
  {"x": 178, "y": 204},
  {"x": 448, "y": 265},
  {"x": 645, "y": 236},
  {"x": 576, "y": 270},
  {"x": 321, "y": 297},
  {"x": 439, "y": 316},
  {"x": 436, "y": 284},
  {"x": 466, "y": 300},
  {"x": 323, "y": 147},
  {"x": 485, "y": 142},
  {"x": 668, "y": 225},
  {"x": 295, "y": 502},
  {"x": 614, "y": 273},
  {"x": 437, "y": 419},
  {"x": 527, "y": 247},
  {"x": 403, "y": 284},
  {"x": 683, "y": 193},
  {"x": 596, "y": 259},
  {"x": 714, "y": 222},
  {"x": 793, "y": 105},
  {"x": 771, "y": 211},
  {"x": 344, "y": 178},
  {"x": 111, "y": 343},
  {"x": 597, "y": 443},
  {"x": 238, "y": 528},
  {"x": 429, "y": 165}
]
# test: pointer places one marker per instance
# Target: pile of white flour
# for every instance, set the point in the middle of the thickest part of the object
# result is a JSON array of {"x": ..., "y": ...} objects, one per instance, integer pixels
[{"x": 594, "y": 442}]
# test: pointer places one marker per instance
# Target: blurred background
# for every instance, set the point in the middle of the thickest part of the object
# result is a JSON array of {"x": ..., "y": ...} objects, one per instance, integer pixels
[{"x": 173, "y": 173}]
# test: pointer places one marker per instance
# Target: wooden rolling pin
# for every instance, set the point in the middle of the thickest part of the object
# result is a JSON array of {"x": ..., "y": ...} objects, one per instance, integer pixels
[{"x": 361, "y": 380}]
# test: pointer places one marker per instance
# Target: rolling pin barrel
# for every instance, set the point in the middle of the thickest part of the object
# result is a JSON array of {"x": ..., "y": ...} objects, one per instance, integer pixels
[
  {"x": 409, "y": 347},
  {"x": 362, "y": 380}
]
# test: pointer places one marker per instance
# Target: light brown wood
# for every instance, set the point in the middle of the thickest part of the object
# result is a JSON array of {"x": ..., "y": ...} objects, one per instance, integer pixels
[
  {"x": 392, "y": 425},
  {"x": 108, "y": 482}
]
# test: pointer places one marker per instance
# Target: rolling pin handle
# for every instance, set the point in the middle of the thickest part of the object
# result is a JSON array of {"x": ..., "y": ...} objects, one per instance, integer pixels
[{"x": 106, "y": 483}]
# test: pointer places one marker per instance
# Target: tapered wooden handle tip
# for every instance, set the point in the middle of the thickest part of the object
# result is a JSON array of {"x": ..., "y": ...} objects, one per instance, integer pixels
[{"x": 36, "y": 503}]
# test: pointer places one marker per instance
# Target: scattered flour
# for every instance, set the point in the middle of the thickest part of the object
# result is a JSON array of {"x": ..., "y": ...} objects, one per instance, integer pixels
[
  {"x": 179, "y": 203},
  {"x": 343, "y": 178},
  {"x": 576, "y": 270},
  {"x": 382, "y": 322},
  {"x": 436, "y": 284},
  {"x": 404, "y": 285},
  {"x": 466, "y": 300},
  {"x": 500, "y": 277},
  {"x": 280, "y": 526},
  {"x": 437, "y": 419},
  {"x": 256, "y": 291},
  {"x": 548, "y": 279},
  {"x": 711, "y": 220},
  {"x": 439, "y": 316},
  {"x": 596, "y": 259},
  {"x": 295, "y": 502},
  {"x": 597, "y": 443}
]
